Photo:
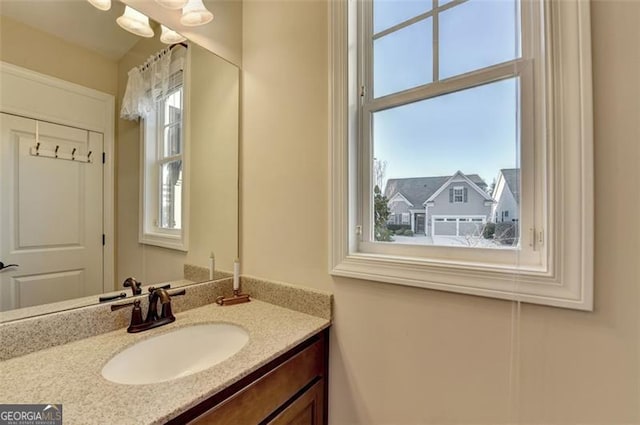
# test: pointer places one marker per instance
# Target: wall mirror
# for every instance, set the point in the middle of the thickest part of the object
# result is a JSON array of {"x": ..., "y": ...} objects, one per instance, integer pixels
[{"x": 58, "y": 199}]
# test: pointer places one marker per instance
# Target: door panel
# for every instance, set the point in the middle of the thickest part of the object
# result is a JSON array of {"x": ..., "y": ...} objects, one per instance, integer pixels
[
  {"x": 58, "y": 185},
  {"x": 47, "y": 287},
  {"x": 50, "y": 213}
]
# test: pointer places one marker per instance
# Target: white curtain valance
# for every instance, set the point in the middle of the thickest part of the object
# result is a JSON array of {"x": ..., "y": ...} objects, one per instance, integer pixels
[{"x": 149, "y": 83}]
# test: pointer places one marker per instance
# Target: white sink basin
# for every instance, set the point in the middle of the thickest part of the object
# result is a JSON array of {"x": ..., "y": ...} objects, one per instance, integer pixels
[{"x": 175, "y": 354}]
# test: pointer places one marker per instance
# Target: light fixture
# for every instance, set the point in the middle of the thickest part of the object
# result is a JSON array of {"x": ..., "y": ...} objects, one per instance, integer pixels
[
  {"x": 194, "y": 14},
  {"x": 135, "y": 22},
  {"x": 169, "y": 36},
  {"x": 101, "y": 4},
  {"x": 172, "y": 4}
]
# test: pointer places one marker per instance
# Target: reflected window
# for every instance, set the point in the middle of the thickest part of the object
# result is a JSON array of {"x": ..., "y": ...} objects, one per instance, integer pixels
[{"x": 163, "y": 209}]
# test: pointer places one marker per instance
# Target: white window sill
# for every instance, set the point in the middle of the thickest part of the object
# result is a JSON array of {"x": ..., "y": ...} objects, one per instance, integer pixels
[
  {"x": 164, "y": 241},
  {"x": 508, "y": 283}
]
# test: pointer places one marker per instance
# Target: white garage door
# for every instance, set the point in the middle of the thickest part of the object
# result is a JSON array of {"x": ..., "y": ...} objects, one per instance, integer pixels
[{"x": 458, "y": 226}]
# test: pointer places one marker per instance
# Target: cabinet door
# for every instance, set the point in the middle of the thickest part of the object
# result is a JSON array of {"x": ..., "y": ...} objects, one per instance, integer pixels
[
  {"x": 305, "y": 410},
  {"x": 255, "y": 402}
]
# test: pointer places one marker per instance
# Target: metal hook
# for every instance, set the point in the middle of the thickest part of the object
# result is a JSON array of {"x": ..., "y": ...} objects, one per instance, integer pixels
[
  {"x": 37, "y": 148},
  {"x": 89, "y": 157},
  {"x": 73, "y": 154},
  {"x": 56, "y": 152}
]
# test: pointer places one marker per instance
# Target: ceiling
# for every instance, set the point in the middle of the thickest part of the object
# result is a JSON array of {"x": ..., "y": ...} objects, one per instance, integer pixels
[{"x": 75, "y": 21}]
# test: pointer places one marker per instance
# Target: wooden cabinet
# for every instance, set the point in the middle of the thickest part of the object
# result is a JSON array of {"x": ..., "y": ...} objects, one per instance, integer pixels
[
  {"x": 290, "y": 390},
  {"x": 304, "y": 410}
]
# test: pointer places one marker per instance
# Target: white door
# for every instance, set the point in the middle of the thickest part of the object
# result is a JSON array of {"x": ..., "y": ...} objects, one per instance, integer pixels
[{"x": 50, "y": 212}]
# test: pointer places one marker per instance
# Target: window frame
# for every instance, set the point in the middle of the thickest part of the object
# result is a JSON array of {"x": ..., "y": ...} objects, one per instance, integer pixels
[
  {"x": 455, "y": 195},
  {"x": 564, "y": 277},
  {"x": 161, "y": 159},
  {"x": 533, "y": 256},
  {"x": 151, "y": 160}
]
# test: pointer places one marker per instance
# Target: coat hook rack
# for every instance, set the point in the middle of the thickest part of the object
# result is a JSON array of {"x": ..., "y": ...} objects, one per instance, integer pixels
[{"x": 57, "y": 153}]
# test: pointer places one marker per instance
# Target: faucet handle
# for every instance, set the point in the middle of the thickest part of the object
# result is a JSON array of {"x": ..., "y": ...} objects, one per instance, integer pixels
[
  {"x": 177, "y": 293},
  {"x": 136, "y": 314},
  {"x": 153, "y": 288},
  {"x": 136, "y": 287}
]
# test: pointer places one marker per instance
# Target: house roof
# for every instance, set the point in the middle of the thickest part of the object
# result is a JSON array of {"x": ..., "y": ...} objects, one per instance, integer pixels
[
  {"x": 512, "y": 178},
  {"x": 400, "y": 197},
  {"x": 456, "y": 177},
  {"x": 418, "y": 189}
]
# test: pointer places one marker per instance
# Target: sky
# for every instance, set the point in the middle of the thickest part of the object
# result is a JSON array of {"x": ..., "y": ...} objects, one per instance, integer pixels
[{"x": 474, "y": 130}]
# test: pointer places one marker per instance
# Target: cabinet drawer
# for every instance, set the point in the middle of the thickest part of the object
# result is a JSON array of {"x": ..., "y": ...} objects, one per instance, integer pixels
[
  {"x": 305, "y": 410},
  {"x": 255, "y": 402}
]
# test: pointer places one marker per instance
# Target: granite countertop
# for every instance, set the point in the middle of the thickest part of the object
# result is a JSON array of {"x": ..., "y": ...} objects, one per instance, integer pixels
[{"x": 70, "y": 374}]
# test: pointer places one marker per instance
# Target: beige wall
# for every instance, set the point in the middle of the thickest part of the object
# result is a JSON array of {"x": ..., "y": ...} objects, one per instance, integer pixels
[
  {"x": 213, "y": 130},
  {"x": 403, "y": 355},
  {"x": 41, "y": 52},
  {"x": 213, "y": 134}
]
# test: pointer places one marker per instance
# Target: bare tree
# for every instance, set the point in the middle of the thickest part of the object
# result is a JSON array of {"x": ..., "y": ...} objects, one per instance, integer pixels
[
  {"x": 379, "y": 172},
  {"x": 492, "y": 187}
]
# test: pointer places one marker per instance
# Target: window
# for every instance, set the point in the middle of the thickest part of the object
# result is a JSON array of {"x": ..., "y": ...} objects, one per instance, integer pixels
[
  {"x": 163, "y": 173},
  {"x": 472, "y": 92},
  {"x": 458, "y": 194}
]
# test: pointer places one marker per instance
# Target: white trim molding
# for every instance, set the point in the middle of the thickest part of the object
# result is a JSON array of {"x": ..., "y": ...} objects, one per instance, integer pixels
[{"x": 564, "y": 276}]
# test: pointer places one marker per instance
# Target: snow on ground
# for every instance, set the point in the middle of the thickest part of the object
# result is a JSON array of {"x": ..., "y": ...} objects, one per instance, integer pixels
[{"x": 469, "y": 241}]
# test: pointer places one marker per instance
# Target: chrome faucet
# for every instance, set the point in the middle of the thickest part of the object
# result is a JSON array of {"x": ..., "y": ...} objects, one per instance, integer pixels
[{"x": 153, "y": 320}]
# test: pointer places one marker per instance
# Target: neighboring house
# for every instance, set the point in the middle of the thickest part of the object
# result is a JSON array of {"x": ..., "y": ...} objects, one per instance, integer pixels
[
  {"x": 455, "y": 205},
  {"x": 507, "y": 196}
]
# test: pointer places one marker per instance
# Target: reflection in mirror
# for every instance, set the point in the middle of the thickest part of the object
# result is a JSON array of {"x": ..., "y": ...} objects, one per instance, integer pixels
[{"x": 166, "y": 196}]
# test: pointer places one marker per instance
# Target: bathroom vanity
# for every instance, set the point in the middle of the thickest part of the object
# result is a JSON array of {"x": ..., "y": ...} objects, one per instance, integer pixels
[
  {"x": 291, "y": 389},
  {"x": 278, "y": 377}
]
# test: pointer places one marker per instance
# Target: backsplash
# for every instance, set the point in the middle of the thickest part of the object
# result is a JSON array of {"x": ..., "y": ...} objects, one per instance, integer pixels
[
  {"x": 201, "y": 274},
  {"x": 21, "y": 337}
]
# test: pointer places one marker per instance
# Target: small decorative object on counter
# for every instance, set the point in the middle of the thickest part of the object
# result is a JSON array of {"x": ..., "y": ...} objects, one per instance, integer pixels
[
  {"x": 237, "y": 297},
  {"x": 212, "y": 265}
]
